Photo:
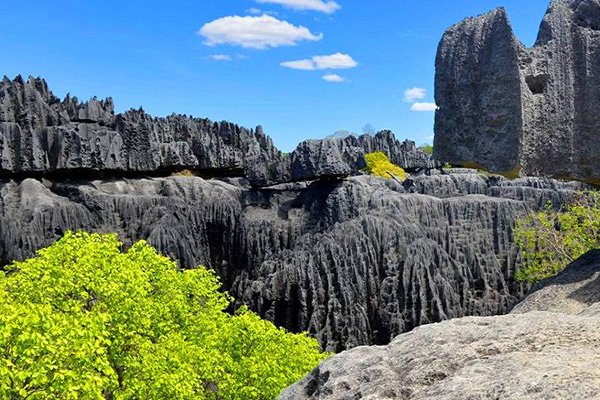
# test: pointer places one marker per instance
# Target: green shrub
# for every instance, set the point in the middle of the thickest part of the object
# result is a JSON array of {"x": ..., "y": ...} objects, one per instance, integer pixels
[
  {"x": 549, "y": 240},
  {"x": 84, "y": 320},
  {"x": 427, "y": 148},
  {"x": 378, "y": 164}
]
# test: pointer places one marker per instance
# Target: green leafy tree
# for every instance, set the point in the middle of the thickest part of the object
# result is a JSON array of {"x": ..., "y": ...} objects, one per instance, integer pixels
[
  {"x": 84, "y": 320},
  {"x": 378, "y": 164},
  {"x": 551, "y": 239}
]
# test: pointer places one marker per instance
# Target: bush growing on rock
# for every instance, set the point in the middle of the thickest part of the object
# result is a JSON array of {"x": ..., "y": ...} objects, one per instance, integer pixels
[
  {"x": 84, "y": 320},
  {"x": 378, "y": 164},
  {"x": 550, "y": 240},
  {"x": 427, "y": 148}
]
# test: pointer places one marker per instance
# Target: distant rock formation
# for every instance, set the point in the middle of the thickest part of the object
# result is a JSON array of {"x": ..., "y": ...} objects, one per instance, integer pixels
[
  {"x": 517, "y": 110},
  {"x": 546, "y": 348},
  {"x": 42, "y": 135},
  {"x": 345, "y": 156}
]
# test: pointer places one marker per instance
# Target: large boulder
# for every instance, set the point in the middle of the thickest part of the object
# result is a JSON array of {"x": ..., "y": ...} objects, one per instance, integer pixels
[
  {"x": 517, "y": 110},
  {"x": 545, "y": 349}
]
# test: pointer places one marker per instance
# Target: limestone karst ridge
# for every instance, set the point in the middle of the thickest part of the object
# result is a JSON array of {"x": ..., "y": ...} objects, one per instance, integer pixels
[
  {"x": 42, "y": 135},
  {"x": 517, "y": 110}
]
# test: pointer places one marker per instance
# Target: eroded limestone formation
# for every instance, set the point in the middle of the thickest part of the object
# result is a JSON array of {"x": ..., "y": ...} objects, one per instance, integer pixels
[
  {"x": 42, "y": 135},
  {"x": 544, "y": 349},
  {"x": 351, "y": 259},
  {"x": 517, "y": 110}
]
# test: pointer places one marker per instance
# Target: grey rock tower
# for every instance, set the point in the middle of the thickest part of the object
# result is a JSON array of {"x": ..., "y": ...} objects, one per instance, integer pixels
[{"x": 517, "y": 110}]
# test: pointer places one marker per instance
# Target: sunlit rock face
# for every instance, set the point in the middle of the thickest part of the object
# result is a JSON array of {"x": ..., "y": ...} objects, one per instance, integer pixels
[
  {"x": 545, "y": 348},
  {"x": 517, "y": 110},
  {"x": 41, "y": 135}
]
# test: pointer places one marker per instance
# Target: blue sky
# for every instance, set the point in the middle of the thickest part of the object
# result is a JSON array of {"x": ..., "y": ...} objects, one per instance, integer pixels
[{"x": 156, "y": 54}]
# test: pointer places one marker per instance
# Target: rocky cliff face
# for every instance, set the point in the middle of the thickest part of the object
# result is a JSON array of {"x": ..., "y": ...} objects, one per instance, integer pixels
[
  {"x": 353, "y": 261},
  {"x": 545, "y": 348},
  {"x": 42, "y": 135},
  {"x": 301, "y": 239},
  {"x": 512, "y": 109}
]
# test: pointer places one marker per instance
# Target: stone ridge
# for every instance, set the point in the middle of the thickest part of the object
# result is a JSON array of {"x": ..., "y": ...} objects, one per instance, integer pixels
[
  {"x": 41, "y": 135},
  {"x": 517, "y": 110}
]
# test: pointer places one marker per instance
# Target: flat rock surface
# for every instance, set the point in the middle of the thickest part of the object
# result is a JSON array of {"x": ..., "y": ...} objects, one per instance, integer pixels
[{"x": 538, "y": 355}]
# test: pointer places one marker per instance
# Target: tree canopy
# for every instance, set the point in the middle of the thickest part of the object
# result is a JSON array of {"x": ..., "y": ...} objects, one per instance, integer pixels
[
  {"x": 85, "y": 320},
  {"x": 378, "y": 164}
]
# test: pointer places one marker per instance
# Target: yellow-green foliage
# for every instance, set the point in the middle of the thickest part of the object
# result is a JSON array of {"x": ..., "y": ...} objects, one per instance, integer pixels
[
  {"x": 427, "y": 148},
  {"x": 184, "y": 172},
  {"x": 549, "y": 240},
  {"x": 83, "y": 320},
  {"x": 378, "y": 164}
]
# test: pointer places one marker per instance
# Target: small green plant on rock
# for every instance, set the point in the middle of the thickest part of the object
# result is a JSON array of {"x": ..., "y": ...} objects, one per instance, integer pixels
[
  {"x": 85, "y": 320},
  {"x": 551, "y": 239},
  {"x": 378, "y": 164},
  {"x": 427, "y": 148}
]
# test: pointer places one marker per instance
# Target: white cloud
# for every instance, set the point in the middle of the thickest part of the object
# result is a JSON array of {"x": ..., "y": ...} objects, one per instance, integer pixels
[
  {"x": 258, "y": 11},
  {"x": 334, "y": 78},
  {"x": 251, "y": 32},
  {"x": 325, "y": 6},
  {"x": 420, "y": 107},
  {"x": 413, "y": 94},
  {"x": 333, "y": 61},
  {"x": 221, "y": 57},
  {"x": 306, "y": 65}
]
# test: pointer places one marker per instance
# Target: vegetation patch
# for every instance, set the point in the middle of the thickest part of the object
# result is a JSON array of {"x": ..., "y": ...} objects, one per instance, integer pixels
[
  {"x": 378, "y": 164},
  {"x": 551, "y": 239},
  {"x": 427, "y": 148},
  {"x": 85, "y": 320}
]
